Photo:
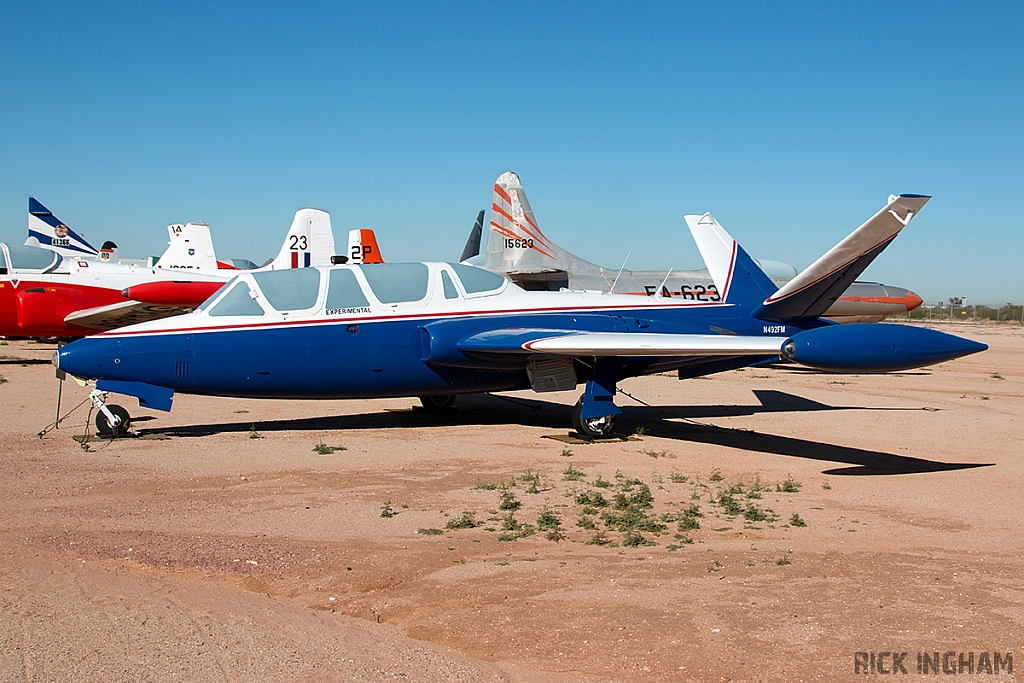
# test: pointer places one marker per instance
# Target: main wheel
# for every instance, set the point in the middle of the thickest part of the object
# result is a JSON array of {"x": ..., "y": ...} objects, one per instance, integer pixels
[
  {"x": 593, "y": 428},
  {"x": 104, "y": 428},
  {"x": 438, "y": 404}
]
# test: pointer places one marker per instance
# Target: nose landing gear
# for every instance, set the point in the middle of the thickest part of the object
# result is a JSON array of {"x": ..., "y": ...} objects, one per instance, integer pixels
[{"x": 112, "y": 420}]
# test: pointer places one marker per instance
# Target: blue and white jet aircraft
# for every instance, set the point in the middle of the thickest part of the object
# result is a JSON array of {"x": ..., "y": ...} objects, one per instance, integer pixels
[{"x": 436, "y": 330}]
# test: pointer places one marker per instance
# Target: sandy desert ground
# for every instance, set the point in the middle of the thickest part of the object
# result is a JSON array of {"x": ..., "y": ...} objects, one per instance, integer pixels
[{"x": 223, "y": 545}]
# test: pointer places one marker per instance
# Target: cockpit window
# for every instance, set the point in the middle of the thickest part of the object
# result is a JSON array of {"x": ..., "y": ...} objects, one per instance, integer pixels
[
  {"x": 476, "y": 280},
  {"x": 238, "y": 301},
  {"x": 294, "y": 289},
  {"x": 394, "y": 283},
  {"x": 206, "y": 304},
  {"x": 31, "y": 258},
  {"x": 3, "y": 263},
  {"x": 343, "y": 291},
  {"x": 449, "y": 287}
]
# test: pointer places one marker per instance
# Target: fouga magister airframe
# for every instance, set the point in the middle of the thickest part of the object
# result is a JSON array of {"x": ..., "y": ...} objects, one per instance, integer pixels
[{"x": 436, "y": 330}]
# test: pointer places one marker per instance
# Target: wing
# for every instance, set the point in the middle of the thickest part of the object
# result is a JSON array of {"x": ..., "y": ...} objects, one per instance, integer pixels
[
  {"x": 612, "y": 344},
  {"x": 121, "y": 314}
]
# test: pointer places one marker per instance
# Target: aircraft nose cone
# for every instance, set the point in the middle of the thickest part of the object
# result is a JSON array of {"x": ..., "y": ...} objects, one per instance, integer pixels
[{"x": 913, "y": 301}]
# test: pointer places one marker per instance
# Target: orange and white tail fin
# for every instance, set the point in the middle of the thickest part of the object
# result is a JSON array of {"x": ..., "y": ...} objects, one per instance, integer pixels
[
  {"x": 362, "y": 247},
  {"x": 191, "y": 248},
  {"x": 309, "y": 242}
]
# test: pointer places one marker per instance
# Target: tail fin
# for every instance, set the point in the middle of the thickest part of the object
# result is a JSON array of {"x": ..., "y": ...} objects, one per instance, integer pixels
[
  {"x": 309, "y": 242},
  {"x": 47, "y": 231},
  {"x": 737, "y": 277},
  {"x": 472, "y": 247},
  {"x": 191, "y": 248},
  {"x": 514, "y": 242},
  {"x": 814, "y": 290},
  {"x": 362, "y": 247}
]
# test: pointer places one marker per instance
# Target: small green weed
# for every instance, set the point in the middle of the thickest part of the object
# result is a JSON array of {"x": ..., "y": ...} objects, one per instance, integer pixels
[
  {"x": 754, "y": 513},
  {"x": 790, "y": 485},
  {"x": 728, "y": 504},
  {"x": 641, "y": 430},
  {"x": 466, "y": 521},
  {"x": 572, "y": 474},
  {"x": 996, "y": 375},
  {"x": 634, "y": 539},
  {"x": 508, "y": 501},
  {"x": 323, "y": 449},
  {"x": 797, "y": 520},
  {"x": 602, "y": 483},
  {"x": 678, "y": 478},
  {"x": 566, "y": 453},
  {"x": 429, "y": 532},
  {"x": 386, "y": 511},
  {"x": 598, "y": 539},
  {"x": 484, "y": 486},
  {"x": 783, "y": 561},
  {"x": 716, "y": 475},
  {"x": 591, "y": 499},
  {"x": 827, "y": 486},
  {"x": 585, "y": 522},
  {"x": 253, "y": 434},
  {"x": 656, "y": 454},
  {"x": 548, "y": 520}
]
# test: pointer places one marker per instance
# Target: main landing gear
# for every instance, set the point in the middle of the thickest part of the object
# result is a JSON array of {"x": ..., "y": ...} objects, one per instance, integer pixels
[
  {"x": 594, "y": 414},
  {"x": 438, "y": 404},
  {"x": 111, "y": 420}
]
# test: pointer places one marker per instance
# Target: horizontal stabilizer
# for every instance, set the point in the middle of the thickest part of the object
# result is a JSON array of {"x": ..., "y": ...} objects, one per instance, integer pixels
[{"x": 814, "y": 290}]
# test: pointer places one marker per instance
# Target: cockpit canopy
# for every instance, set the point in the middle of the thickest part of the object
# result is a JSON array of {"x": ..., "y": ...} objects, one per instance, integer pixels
[
  {"x": 348, "y": 288},
  {"x": 23, "y": 258}
]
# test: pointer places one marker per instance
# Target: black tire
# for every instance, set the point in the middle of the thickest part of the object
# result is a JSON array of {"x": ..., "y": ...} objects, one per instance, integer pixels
[
  {"x": 594, "y": 428},
  {"x": 438, "y": 404},
  {"x": 124, "y": 422}
]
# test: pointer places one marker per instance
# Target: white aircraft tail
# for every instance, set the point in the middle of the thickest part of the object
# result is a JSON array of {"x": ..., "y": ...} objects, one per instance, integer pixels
[
  {"x": 309, "y": 242},
  {"x": 191, "y": 248},
  {"x": 49, "y": 232},
  {"x": 737, "y": 277},
  {"x": 515, "y": 244}
]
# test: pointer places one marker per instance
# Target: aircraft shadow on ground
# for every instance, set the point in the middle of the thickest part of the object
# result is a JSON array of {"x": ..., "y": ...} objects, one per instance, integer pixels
[
  {"x": 24, "y": 361},
  {"x": 660, "y": 421}
]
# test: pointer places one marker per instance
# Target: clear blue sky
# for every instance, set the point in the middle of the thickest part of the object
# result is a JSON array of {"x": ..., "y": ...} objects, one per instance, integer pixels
[{"x": 791, "y": 122}]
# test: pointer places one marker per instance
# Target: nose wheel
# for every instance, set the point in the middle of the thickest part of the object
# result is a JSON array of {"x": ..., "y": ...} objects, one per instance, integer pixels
[
  {"x": 594, "y": 427},
  {"x": 111, "y": 420}
]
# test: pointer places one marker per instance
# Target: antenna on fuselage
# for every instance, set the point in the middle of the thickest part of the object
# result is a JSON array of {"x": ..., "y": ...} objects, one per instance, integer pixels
[
  {"x": 662, "y": 287},
  {"x": 616, "y": 280}
]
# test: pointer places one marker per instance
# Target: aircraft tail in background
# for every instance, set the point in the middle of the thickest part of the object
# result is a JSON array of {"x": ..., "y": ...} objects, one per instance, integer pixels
[
  {"x": 472, "y": 248},
  {"x": 309, "y": 242},
  {"x": 362, "y": 247},
  {"x": 49, "y": 232},
  {"x": 515, "y": 244},
  {"x": 191, "y": 248}
]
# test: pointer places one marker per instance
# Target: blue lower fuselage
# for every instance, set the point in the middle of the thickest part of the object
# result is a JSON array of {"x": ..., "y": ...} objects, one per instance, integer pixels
[{"x": 370, "y": 359}]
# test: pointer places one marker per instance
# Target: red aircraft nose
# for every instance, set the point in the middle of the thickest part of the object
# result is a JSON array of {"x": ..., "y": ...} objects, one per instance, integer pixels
[{"x": 913, "y": 301}]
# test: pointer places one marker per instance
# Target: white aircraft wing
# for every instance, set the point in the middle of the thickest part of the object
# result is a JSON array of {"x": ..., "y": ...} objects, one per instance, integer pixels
[{"x": 607, "y": 344}]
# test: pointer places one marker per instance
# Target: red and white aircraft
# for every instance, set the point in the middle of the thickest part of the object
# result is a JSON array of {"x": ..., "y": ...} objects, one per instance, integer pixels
[{"x": 68, "y": 289}]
